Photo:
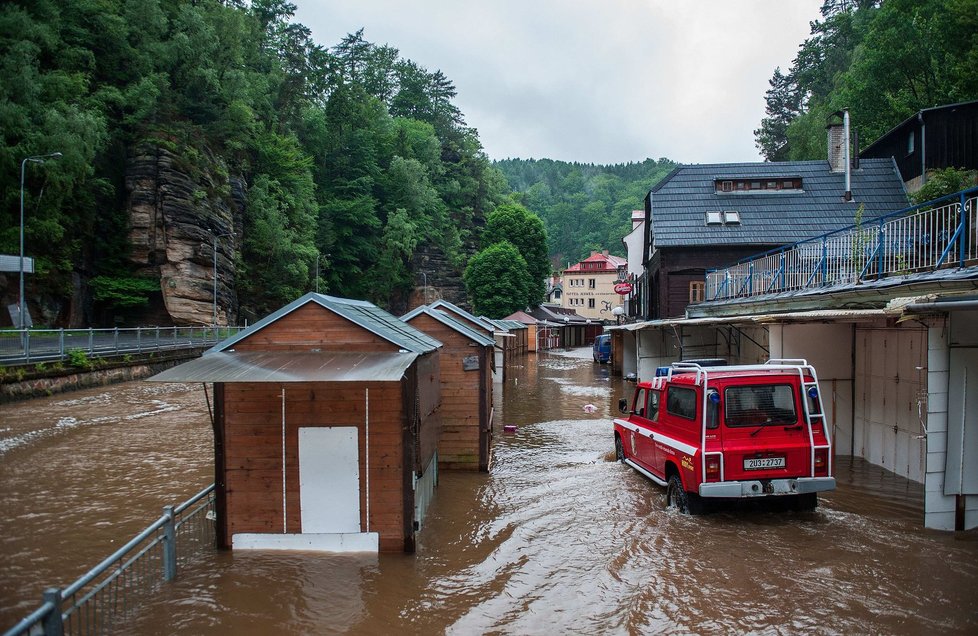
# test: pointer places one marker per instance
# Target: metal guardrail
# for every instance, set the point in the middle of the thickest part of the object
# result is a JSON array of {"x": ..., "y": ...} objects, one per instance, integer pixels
[
  {"x": 27, "y": 346},
  {"x": 932, "y": 235},
  {"x": 109, "y": 592}
]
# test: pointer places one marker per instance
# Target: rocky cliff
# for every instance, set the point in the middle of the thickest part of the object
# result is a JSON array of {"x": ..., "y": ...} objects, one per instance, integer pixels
[{"x": 179, "y": 203}]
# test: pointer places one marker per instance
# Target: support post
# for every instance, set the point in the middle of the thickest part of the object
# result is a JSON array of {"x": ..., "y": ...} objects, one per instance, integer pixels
[
  {"x": 52, "y": 622},
  {"x": 169, "y": 544}
]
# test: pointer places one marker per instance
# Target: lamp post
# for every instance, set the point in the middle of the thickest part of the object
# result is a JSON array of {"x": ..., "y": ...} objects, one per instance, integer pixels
[
  {"x": 23, "y": 165},
  {"x": 216, "y": 236}
]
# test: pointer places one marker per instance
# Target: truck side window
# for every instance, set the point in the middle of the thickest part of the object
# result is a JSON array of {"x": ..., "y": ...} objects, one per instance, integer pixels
[
  {"x": 681, "y": 402},
  {"x": 639, "y": 406},
  {"x": 653, "y": 405},
  {"x": 712, "y": 408}
]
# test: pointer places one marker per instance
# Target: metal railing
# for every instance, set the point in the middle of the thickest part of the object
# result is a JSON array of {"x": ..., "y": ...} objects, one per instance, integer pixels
[
  {"x": 932, "y": 235},
  {"x": 95, "y": 603},
  {"x": 26, "y": 346}
]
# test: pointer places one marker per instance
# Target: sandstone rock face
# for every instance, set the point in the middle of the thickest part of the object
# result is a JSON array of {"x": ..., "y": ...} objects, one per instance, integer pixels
[
  {"x": 444, "y": 281},
  {"x": 176, "y": 209}
]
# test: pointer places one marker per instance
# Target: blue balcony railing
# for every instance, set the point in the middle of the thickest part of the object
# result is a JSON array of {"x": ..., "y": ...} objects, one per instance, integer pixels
[{"x": 942, "y": 233}]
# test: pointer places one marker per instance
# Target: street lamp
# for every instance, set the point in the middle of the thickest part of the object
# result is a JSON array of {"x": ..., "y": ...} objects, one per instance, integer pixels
[
  {"x": 23, "y": 165},
  {"x": 217, "y": 236}
]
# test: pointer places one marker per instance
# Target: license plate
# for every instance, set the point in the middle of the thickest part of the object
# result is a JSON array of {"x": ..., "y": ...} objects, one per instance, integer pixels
[{"x": 761, "y": 463}]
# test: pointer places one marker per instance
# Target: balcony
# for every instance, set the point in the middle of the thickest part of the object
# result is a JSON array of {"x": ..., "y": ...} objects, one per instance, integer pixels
[{"x": 939, "y": 234}]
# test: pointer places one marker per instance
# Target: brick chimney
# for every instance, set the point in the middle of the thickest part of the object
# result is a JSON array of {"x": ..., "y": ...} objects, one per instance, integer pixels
[
  {"x": 837, "y": 146},
  {"x": 838, "y": 142}
]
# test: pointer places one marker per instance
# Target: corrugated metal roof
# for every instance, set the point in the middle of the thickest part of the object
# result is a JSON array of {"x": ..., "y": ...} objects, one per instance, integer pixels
[
  {"x": 451, "y": 323},
  {"x": 839, "y": 315},
  {"x": 290, "y": 366},
  {"x": 512, "y": 324},
  {"x": 359, "y": 312},
  {"x": 681, "y": 201},
  {"x": 439, "y": 304}
]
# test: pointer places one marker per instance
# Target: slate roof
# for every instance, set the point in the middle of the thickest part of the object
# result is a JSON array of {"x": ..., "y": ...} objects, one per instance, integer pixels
[
  {"x": 360, "y": 312},
  {"x": 451, "y": 323},
  {"x": 681, "y": 200}
]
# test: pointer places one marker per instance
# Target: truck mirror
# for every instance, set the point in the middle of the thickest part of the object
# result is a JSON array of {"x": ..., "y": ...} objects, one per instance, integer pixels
[{"x": 623, "y": 405}]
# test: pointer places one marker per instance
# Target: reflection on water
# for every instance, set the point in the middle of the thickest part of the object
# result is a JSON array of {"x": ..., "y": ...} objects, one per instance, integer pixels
[{"x": 559, "y": 540}]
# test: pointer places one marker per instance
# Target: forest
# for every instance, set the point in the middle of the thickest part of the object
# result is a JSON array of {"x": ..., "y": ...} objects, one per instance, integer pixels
[
  {"x": 351, "y": 156},
  {"x": 584, "y": 207},
  {"x": 883, "y": 60}
]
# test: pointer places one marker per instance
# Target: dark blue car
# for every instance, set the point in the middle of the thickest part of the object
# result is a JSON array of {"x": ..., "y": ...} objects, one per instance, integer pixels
[{"x": 601, "y": 350}]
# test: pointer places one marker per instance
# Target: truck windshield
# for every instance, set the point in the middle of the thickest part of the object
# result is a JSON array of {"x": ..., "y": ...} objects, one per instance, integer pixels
[{"x": 759, "y": 405}]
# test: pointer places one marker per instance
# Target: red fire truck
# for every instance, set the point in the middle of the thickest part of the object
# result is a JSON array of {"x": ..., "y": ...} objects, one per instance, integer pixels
[{"x": 731, "y": 432}]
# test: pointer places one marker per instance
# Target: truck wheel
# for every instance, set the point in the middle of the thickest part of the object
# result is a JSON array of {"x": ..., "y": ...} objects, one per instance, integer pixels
[
  {"x": 687, "y": 502},
  {"x": 619, "y": 449}
]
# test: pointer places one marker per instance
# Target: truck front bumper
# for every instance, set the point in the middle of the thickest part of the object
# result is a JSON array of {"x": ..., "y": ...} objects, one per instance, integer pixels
[{"x": 768, "y": 487}]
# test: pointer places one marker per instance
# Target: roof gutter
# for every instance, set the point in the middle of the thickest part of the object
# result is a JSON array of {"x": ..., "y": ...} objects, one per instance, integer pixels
[{"x": 942, "y": 305}]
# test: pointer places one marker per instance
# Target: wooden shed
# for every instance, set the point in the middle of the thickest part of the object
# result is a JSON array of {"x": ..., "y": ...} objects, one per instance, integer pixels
[
  {"x": 480, "y": 326},
  {"x": 466, "y": 389},
  {"x": 325, "y": 428},
  {"x": 531, "y": 340}
]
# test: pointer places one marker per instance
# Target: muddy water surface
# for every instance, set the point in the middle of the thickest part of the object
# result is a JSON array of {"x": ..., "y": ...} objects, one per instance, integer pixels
[{"x": 555, "y": 540}]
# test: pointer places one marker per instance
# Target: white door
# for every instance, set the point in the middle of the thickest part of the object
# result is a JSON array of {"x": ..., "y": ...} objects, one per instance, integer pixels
[{"x": 329, "y": 479}]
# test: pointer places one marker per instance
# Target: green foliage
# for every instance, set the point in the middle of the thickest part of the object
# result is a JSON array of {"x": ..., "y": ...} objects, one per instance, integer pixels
[
  {"x": 123, "y": 291},
  {"x": 883, "y": 61},
  {"x": 497, "y": 281},
  {"x": 944, "y": 182},
  {"x": 79, "y": 359},
  {"x": 583, "y": 207},
  {"x": 524, "y": 230}
]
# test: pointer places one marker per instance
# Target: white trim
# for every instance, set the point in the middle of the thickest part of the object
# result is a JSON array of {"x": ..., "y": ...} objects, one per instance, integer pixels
[
  {"x": 659, "y": 437},
  {"x": 331, "y": 542},
  {"x": 366, "y": 450}
]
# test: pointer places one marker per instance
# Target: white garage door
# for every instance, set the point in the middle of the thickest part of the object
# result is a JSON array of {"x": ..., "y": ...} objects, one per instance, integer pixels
[
  {"x": 891, "y": 389},
  {"x": 329, "y": 479}
]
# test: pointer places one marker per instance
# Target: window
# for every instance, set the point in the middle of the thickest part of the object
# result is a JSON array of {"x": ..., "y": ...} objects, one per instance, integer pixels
[
  {"x": 681, "y": 402},
  {"x": 557, "y": 294},
  {"x": 714, "y": 218},
  {"x": 731, "y": 217},
  {"x": 639, "y": 406},
  {"x": 727, "y": 186},
  {"x": 697, "y": 291},
  {"x": 653, "y": 405},
  {"x": 910, "y": 143},
  {"x": 759, "y": 405},
  {"x": 590, "y": 303},
  {"x": 590, "y": 283}
]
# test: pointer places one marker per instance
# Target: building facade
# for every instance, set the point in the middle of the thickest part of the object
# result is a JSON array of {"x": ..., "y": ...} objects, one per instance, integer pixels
[{"x": 589, "y": 286}]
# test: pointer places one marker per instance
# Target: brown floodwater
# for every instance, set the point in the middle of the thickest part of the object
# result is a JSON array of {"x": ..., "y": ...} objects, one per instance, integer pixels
[{"x": 556, "y": 539}]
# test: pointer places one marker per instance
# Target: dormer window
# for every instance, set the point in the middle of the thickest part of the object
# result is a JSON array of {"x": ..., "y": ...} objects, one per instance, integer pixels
[{"x": 756, "y": 186}]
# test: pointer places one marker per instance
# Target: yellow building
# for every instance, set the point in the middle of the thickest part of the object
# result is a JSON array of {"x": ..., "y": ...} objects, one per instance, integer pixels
[{"x": 589, "y": 286}]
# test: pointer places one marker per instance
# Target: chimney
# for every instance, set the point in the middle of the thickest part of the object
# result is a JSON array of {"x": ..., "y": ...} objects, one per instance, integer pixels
[
  {"x": 838, "y": 143},
  {"x": 604, "y": 252},
  {"x": 638, "y": 217},
  {"x": 836, "y": 146},
  {"x": 594, "y": 252}
]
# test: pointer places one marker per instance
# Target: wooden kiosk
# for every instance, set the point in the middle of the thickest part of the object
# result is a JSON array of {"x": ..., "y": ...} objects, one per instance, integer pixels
[{"x": 325, "y": 428}]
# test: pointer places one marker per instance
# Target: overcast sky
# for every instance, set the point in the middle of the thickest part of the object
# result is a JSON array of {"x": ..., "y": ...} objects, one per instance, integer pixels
[{"x": 595, "y": 81}]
